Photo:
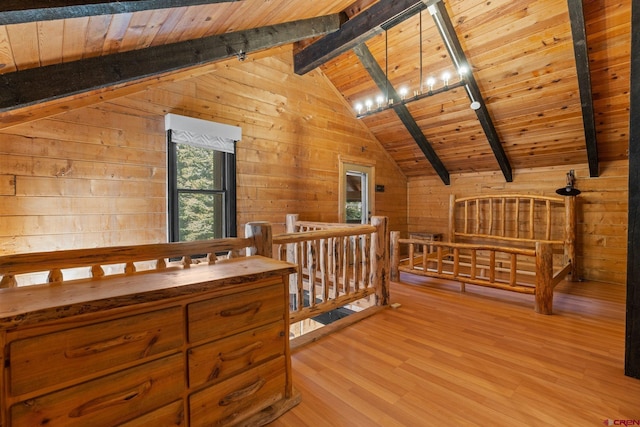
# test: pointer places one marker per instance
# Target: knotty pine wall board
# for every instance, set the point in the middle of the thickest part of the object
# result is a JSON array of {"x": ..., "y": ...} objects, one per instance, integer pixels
[
  {"x": 34, "y": 225},
  {"x": 7, "y": 185},
  {"x": 62, "y": 129},
  {"x": 78, "y": 169},
  {"x": 61, "y": 149},
  {"x": 86, "y": 187}
]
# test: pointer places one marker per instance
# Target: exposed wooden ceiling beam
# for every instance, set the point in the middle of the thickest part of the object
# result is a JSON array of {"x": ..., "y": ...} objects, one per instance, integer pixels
[
  {"x": 443, "y": 22},
  {"x": 361, "y": 28},
  {"x": 36, "y": 85},
  {"x": 579, "y": 32},
  {"x": 379, "y": 77},
  {"x": 21, "y": 11}
]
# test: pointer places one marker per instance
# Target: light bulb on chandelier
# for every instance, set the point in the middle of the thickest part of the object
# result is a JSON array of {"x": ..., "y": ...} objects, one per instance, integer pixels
[
  {"x": 430, "y": 82},
  {"x": 445, "y": 78}
]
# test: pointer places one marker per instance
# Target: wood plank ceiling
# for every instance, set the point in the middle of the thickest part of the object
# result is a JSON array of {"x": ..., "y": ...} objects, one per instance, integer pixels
[{"x": 522, "y": 55}]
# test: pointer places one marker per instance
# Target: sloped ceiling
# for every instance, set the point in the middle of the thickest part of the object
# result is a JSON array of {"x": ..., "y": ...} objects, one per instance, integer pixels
[{"x": 522, "y": 56}]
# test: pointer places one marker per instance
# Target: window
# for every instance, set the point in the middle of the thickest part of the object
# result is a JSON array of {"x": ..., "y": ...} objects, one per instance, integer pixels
[
  {"x": 202, "y": 197},
  {"x": 201, "y": 177}
]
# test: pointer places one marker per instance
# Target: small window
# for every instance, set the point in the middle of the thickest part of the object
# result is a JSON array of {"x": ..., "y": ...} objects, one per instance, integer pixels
[{"x": 202, "y": 193}]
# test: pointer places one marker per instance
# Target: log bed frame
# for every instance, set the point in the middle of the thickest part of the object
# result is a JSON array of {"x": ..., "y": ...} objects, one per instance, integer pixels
[{"x": 516, "y": 242}]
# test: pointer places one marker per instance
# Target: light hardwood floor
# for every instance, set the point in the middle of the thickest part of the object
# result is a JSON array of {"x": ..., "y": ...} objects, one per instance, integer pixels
[{"x": 482, "y": 358}]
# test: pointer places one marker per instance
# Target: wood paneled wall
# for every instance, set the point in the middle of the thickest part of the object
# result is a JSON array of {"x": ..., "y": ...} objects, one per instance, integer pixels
[
  {"x": 96, "y": 176},
  {"x": 602, "y": 209}
]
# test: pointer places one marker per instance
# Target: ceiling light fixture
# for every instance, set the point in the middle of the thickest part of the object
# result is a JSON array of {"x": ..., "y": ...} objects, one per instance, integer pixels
[{"x": 387, "y": 101}]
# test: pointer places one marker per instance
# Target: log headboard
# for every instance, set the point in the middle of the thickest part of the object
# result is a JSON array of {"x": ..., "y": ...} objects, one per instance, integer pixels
[{"x": 518, "y": 218}]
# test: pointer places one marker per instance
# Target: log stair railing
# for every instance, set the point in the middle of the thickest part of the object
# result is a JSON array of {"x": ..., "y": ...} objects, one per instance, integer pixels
[{"x": 338, "y": 264}]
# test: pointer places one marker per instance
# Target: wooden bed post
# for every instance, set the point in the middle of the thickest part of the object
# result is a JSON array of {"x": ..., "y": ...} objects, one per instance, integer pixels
[
  {"x": 260, "y": 232},
  {"x": 395, "y": 255},
  {"x": 544, "y": 278},
  {"x": 570, "y": 235},
  {"x": 380, "y": 259},
  {"x": 452, "y": 218}
]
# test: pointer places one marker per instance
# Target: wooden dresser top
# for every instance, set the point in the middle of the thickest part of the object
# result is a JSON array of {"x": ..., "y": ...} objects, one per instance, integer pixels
[{"x": 41, "y": 303}]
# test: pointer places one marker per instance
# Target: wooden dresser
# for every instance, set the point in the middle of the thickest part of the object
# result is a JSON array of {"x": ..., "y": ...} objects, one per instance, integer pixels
[{"x": 201, "y": 346}]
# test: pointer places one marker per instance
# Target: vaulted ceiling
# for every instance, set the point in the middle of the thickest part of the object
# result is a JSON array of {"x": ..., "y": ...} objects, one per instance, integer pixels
[{"x": 551, "y": 76}]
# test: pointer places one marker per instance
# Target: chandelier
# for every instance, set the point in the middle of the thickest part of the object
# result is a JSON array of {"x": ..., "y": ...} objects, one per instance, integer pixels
[{"x": 428, "y": 87}]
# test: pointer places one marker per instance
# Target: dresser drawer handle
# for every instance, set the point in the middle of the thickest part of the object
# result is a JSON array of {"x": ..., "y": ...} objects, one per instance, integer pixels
[
  {"x": 98, "y": 347},
  {"x": 236, "y": 354},
  {"x": 109, "y": 400},
  {"x": 242, "y": 393},
  {"x": 254, "y": 306}
]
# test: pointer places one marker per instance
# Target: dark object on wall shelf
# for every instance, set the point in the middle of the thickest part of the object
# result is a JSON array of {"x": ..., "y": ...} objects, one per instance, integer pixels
[{"x": 569, "y": 189}]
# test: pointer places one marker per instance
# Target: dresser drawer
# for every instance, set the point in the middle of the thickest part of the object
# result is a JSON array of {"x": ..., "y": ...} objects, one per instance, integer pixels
[
  {"x": 220, "y": 359},
  {"x": 224, "y": 316},
  {"x": 106, "y": 401},
  {"x": 45, "y": 360},
  {"x": 167, "y": 416},
  {"x": 239, "y": 397}
]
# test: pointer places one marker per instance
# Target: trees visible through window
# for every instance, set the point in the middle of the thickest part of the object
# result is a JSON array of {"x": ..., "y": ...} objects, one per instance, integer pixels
[
  {"x": 202, "y": 197},
  {"x": 200, "y": 193}
]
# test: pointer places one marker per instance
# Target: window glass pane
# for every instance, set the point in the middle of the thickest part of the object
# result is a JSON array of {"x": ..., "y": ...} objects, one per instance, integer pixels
[
  {"x": 200, "y": 216},
  {"x": 199, "y": 168},
  {"x": 354, "y": 212}
]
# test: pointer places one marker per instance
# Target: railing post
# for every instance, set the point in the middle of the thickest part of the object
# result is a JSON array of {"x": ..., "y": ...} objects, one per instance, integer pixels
[
  {"x": 290, "y": 227},
  {"x": 544, "y": 278},
  {"x": 290, "y": 224},
  {"x": 261, "y": 234},
  {"x": 380, "y": 259},
  {"x": 292, "y": 257},
  {"x": 395, "y": 255}
]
